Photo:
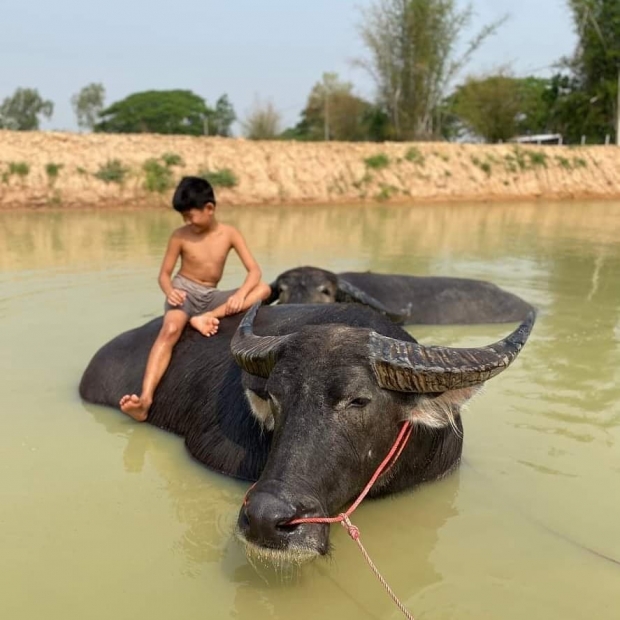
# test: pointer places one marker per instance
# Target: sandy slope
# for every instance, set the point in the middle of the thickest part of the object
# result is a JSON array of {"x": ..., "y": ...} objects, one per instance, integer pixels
[{"x": 292, "y": 172}]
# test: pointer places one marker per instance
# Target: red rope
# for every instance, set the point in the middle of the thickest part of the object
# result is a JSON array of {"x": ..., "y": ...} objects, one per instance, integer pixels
[
  {"x": 354, "y": 533},
  {"x": 386, "y": 464},
  {"x": 343, "y": 518}
]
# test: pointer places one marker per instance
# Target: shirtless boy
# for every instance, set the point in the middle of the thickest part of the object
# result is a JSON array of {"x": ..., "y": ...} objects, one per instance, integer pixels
[{"x": 191, "y": 296}]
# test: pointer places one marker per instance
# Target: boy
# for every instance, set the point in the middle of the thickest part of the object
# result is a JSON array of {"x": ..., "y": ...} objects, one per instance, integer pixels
[{"x": 191, "y": 296}]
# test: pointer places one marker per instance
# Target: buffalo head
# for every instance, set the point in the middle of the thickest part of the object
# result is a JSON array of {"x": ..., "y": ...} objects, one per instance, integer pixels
[
  {"x": 334, "y": 397},
  {"x": 311, "y": 285}
]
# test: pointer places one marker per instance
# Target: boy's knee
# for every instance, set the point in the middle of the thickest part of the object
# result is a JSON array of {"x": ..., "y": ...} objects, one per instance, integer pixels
[
  {"x": 264, "y": 290},
  {"x": 170, "y": 331}
]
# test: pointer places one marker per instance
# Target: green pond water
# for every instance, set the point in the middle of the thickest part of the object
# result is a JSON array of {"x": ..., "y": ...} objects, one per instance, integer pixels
[{"x": 103, "y": 518}]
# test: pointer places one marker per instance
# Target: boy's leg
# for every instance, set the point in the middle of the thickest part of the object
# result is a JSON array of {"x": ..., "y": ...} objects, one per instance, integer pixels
[
  {"x": 204, "y": 322},
  {"x": 159, "y": 358}
]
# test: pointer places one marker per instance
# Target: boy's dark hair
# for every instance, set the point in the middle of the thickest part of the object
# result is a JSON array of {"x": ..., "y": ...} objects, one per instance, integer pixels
[{"x": 192, "y": 193}]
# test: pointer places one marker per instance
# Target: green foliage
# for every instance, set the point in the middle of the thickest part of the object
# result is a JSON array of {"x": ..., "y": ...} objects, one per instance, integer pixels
[
  {"x": 87, "y": 104},
  {"x": 523, "y": 160},
  {"x": 81, "y": 171},
  {"x": 15, "y": 168},
  {"x": 488, "y": 107},
  {"x": 583, "y": 100},
  {"x": 220, "y": 178},
  {"x": 378, "y": 161},
  {"x": 564, "y": 162},
  {"x": 172, "y": 159},
  {"x": 414, "y": 155},
  {"x": 538, "y": 158},
  {"x": 53, "y": 170},
  {"x": 19, "y": 168},
  {"x": 485, "y": 166},
  {"x": 112, "y": 171},
  {"x": 385, "y": 192},
  {"x": 413, "y": 46},
  {"x": 24, "y": 109},
  {"x": 158, "y": 176},
  {"x": 162, "y": 112},
  {"x": 333, "y": 112},
  {"x": 579, "y": 162},
  {"x": 223, "y": 117}
]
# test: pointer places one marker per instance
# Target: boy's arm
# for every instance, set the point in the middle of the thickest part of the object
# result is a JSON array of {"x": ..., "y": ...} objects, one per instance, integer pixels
[
  {"x": 175, "y": 297},
  {"x": 251, "y": 266}
]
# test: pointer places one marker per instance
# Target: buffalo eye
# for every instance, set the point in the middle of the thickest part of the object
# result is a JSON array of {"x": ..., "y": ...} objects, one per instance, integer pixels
[
  {"x": 359, "y": 403},
  {"x": 324, "y": 290}
]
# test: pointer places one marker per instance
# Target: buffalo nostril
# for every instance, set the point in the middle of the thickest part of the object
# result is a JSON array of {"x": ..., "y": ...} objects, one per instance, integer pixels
[
  {"x": 267, "y": 518},
  {"x": 286, "y": 525},
  {"x": 243, "y": 521}
]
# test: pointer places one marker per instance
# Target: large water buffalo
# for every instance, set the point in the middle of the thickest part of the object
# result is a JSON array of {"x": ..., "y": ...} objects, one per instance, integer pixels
[
  {"x": 306, "y": 400},
  {"x": 415, "y": 300}
]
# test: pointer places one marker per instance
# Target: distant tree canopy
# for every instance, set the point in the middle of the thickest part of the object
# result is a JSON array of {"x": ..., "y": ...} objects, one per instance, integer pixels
[
  {"x": 156, "y": 111},
  {"x": 498, "y": 107},
  {"x": 583, "y": 101},
  {"x": 87, "y": 105},
  {"x": 23, "y": 110},
  {"x": 223, "y": 117},
  {"x": 334, "y": 112},
  {"x": 412, "y": 47}
]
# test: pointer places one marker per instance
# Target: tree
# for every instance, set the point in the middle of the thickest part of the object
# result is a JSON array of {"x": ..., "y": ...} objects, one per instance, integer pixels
[
  {"x": 499, "y": 106},
  {"x": 24, "y": 109},
  {"x": 412, "y": 45},
  {"x": 87, "y": 104},
  {"x": 584, "y": 101},
  {"x": 333, "y": 112},
  {"x": 223, "y": 117},
  {"x": 157, "y": 111},
  {"x": 262, "y": 122}
]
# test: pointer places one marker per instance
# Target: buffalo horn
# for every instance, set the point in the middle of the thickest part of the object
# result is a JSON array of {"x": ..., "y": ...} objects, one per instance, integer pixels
[
  {"x": 410, "y": 367},
  {"x": 348, "y": 292},
  {"x": 255, "y": 354}
]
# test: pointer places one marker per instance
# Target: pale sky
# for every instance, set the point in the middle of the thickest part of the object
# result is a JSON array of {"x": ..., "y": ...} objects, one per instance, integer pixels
[{"x": 269, "y": 49}]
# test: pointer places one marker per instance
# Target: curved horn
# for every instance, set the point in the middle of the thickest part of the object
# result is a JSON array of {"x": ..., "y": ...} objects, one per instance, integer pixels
[
  {"x": 256, "y": 354},
  {"x": 410, "y": 367},
  {"x": 348, "y": 292}
]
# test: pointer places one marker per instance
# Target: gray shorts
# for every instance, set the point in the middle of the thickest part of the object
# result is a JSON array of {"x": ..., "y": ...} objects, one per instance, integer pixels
[{"x": 199, "y": 298}]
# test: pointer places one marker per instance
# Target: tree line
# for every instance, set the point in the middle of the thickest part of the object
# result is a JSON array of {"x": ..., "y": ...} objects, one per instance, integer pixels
[{"x": 412, "y": 59}]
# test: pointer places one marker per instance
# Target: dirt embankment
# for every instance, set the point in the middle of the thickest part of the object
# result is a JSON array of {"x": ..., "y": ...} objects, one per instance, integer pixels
[{"x": 39, "y": 169}]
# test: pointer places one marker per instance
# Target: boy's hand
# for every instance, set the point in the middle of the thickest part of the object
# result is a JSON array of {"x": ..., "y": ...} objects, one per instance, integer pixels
[
  {"x": 176, "y": 297},
  {"x": 235, "y": 303}
]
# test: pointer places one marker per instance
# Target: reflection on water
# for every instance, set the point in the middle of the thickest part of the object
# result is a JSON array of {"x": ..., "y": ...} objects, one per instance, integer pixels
[{"x": 103, "y": 518}]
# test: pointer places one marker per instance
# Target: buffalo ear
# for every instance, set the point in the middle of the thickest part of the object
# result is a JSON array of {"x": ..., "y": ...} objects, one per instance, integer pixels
[
  {"x": 261, "y": 409},
  {"x": 349, "y": 293},
  {"x": 440, "y": 410}
]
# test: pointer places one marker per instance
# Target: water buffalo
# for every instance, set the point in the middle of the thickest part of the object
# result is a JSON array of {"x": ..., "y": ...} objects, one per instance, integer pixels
[
  {"x": 414, "y": 300},
  {"x": 306, "y": 400}
]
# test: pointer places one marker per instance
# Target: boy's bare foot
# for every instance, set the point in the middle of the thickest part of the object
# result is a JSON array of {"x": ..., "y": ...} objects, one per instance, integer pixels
[
  {"x": 205, "y": 323},
  {"x": 135, "y": 407}
]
